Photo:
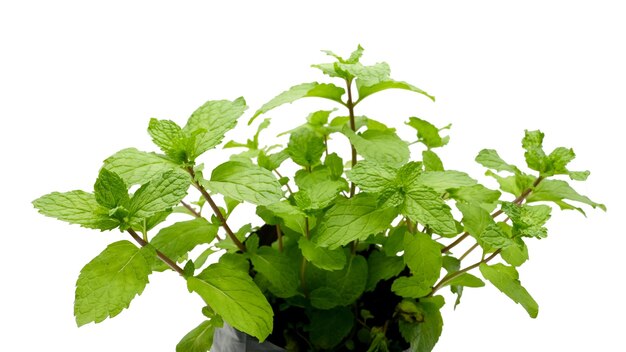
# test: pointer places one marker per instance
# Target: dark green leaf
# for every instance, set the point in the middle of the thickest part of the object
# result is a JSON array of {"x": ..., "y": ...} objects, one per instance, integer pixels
[
  {"x": 424, "y": 335},
  {"x": 382, "y": 267},
  {"x": 234, "y": 296},
  {"x": 108, "y": 283},
  {"x": 328, "y": 327},
  {"x": 348, "y": 284}
]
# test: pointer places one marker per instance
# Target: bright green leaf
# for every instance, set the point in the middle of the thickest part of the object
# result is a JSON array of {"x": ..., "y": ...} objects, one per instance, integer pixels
[
  {"x": 489, "y": 158},
  {"x": 505, "y": 278},
  {"x": 178, "y": 239},
  {"x": 389, "y": 84},
  {"x": 348, "y": 283},
  {"x": 76, "y": 207},
  {"x": 235, "y": 297},
  {"x": 322, "y": 257},
  {"x": 425, "y": 206},
  {"x": 410, "y": 287},
  {"x": 467, "y": 280},
  {"x": 160, "y": 193},
  {"x": 427, "y": 133},
  {"x": 382, "y": 267},
  {"x": 380, "y": 146},
  {"x": 556, "y": 191},
  {"x": 110, "y": 190},
  {"x": 441, "y": 181},
  {"x": 372, "y": 177},
  {"x": 137, "y": 167},
  {"x": 245, "y": 182},
  {"x": 422, "y": 255},
  {"x": 200, "y": 339},
  {"x": 351, "y": 219},
  {"x": 431, "y": 161},
  {"x": 108, "y": 283},
  {"x": 305, "y": 147},
  {"x": 314, "y": 89},
  {"x": 278, "y": 270}
]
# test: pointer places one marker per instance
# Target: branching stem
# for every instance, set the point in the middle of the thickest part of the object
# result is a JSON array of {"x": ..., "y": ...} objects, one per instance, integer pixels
[
  {"x": 451, "y": 276},
  {"x": 350, "y": 104},
  {"x": 172, "y": 264},
  {"x": 216, "y": 210},
  {"x": 191, "y": 209}
]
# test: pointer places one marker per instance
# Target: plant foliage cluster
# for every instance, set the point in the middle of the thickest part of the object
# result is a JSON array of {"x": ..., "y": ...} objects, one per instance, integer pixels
[{"x": 355, "y": 249}]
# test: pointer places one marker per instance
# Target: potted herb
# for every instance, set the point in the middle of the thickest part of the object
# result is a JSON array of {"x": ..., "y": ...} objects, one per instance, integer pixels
[{"x": 355, "y": 249}]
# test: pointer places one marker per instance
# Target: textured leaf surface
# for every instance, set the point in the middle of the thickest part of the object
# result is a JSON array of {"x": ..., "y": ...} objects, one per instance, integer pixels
[
  {"x": 489, "y": 158},
  {"x": 110, "y": 190},
  {"x": 340, "y": 287},
  {"x": 161, "y": 193},
  {"x": 441, "y": 181},
  {"x": 380, "y": 146},
  {"x": 212, "y": 120},
  {"x": 305, "y": 147},
  {"x": 108, "y": 283},
  {"x": 235, "y": 297},
  {"x": 505, "y": 278},
  {"x": 371, "y": 176},
  {"x": 245, "y": 182},
  {"x": 351, "y": 219},
  {"x": 137, "y": 167},
  {"x": 556, "y": 191},
  {"x": 76, "y": 207},
  {"x": 425, "y": 206}
]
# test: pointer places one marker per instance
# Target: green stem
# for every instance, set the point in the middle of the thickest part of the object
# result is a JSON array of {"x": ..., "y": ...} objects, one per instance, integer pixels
[
  {"x": 191, "y": 209},
  {"x": 216, "y": 210},
  {"x": 279, "y": 236},
  {"x": 451, "y": 276},
  {"x": 350, "y": 104},
  {"x": 304, "y": 261},
  {"x": 172, "y": 264}
]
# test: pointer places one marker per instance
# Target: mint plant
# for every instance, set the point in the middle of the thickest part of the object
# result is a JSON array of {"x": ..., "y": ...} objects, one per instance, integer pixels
[{"x": 353, "y": 251}]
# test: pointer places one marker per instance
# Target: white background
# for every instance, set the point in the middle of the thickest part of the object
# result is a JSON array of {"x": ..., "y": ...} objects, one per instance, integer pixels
[{"x": 79, "y": 81}]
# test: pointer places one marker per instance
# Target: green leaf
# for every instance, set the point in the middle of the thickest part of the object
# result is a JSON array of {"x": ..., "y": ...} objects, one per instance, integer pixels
[
  {"x": 382, "y": 267},
  {"x": 108, "y": 283},
  {"x": 424, "y": 205},
  {"x": 313, "y": 89},
  {"x": 515, "y": 254},
  {"x": 424, "y": 335},
  {"x": 475, "y": 219},
  {"x": 494, "y": 237},
  {"x": 423, "y": 256},
  {"x": 536, "y": 158},
  {"x": 557, "y": 191},
  {"x": 366, "y": 75},
  {"x": 168, "y": 136},
  {"x": 431, "y": 161},
  {"x": 410, "y": 287},
  {"x": 427, "y": 133},
  {"x": 351, "y": 219},
  {"x": 389, "y": 84},
  {"x": 76, "y": 207},
  {"x": 272, "y": 161},
  {"x": 211, "y": 121},
  {"x": 515, "y": 185},
  {"x": 200, "y": 339},
  {"x": 305, "y": 147},
  {"x": 322, "y": 257},
  {"x": 506, "y": 279},
  {"x": 137, "y": 167},
  {"x": 335, "y": 165},
  {"x": 110, "y": 190},
  {"x": 380, "y": 146},
  {"x": 328, "y": 327},
  {"x": 317, "y": 188},
  {"x": 278, "y": 270},
  {"x": 489, "y": 158},
  {"x": 235, "y": 297},
  {"x": 245, "y": 182},
  {"x": 371, "y": 176},
  {"x": 291, "y": 216},
  {"x": 180, "y": 238},
  {"x": 467, "y": 280},
  {"x": 161, "y": 193},
  {"x": 476, "y": 194},
  {"x": 528, "y": 220},
  {"x": 441, "y": 181},
  {"x": 348, "y": 284}
]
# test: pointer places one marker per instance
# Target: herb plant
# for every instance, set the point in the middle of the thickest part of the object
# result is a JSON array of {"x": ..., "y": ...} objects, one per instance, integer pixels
[{"x": 354, "y": 249}]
